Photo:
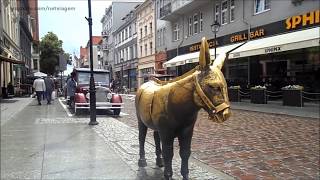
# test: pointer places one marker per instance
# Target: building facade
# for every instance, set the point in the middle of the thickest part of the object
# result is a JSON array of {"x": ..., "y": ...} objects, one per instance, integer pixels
[
  {"x": 282, "y": 44},
  {"x": 146, "y": 40},
  {"x": 9, "y": 45},
  {"x": 111, "y": 21},
  {"x": 126, "y": 59},
  {"x": 35, "y": 60},
  {"x": 96, "y": 56},
  {"x": 25, "y": 37},
  {"x": 161, "y": 39}
]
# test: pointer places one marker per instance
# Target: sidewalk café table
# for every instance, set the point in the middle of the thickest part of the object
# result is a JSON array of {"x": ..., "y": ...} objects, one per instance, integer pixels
[
  {"x": 234, "y": 93},
  {"x": 258, "y": 95},
  {"x": 292, "y": 96}
]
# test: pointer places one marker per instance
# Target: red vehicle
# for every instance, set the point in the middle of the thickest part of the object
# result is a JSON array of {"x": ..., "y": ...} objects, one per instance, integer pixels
[{"x": 105, "y": 98}]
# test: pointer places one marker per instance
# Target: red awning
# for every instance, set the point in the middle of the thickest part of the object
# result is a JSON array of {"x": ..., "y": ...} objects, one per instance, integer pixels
[{"x": 6, "y": 59}]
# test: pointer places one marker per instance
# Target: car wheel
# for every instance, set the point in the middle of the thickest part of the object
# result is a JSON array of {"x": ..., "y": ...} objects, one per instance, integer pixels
[{"x": 116, "y": 112}]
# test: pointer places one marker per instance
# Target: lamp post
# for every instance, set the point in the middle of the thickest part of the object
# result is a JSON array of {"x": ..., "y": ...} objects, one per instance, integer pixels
[
  {"x": 121, "y": 79},
  {"x": 92, "y": 87},
  {"x": 215, "y": 28}
]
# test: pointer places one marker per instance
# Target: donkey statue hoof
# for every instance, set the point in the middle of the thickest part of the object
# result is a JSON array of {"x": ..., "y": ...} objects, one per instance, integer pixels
[
  {"x": 159, "y": 162},
  {"x": 142, "y": 163}
]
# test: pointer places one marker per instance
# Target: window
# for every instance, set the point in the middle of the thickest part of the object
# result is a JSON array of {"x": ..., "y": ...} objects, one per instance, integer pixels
[
  {"x": 145, "y": 50},
  {"x": 201, "y": 22},
  {"x": 135, "y": 50},
  {"x": 126, "y": 55},
  {"x": 145, "y": 30},
  {"x": 140, "y": 33},
  {"x": 261, "y": 6},
  {"x": 151, "y": 48},
  {"x": 122, "y": 35},
  {"x": 232, "y": 6},
  {"x": 176, "y": 32},
  {"x": 130, "y": 31},
  {"x": 131, "y": 52},
  {"x": 159, "y": 37},
  {"x": 126, "y": 32},
  {"x": 119, "y": 39},
  {"x": 224, "y": 10},
  {"x": 195, "y": 23},
  {"x": 217, "y": 10},
  {"x": 150, "y": 28},
  {"x": 163, "y": 38},
  {"x": 140, "y": 51},
  {"x": 190, "y": 27},
  {"x": 35, "y": 64}
]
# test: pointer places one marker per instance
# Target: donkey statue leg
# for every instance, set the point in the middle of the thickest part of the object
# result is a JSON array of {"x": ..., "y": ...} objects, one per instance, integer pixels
[
  {"x": 167, "y": 151},
  {"x": 185, "y": 150},
  {"x": 142, "y": 137},
  {"x": 159, "y": 160}
]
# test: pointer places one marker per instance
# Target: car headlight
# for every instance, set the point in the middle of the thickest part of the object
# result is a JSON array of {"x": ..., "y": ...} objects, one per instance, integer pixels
[
  {"x": 88, "y": 95},
  {"x": 109, "y": 96}
]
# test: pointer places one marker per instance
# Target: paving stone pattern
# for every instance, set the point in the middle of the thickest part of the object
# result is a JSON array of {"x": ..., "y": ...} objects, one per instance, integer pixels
[{"x": 254, "y": 145}]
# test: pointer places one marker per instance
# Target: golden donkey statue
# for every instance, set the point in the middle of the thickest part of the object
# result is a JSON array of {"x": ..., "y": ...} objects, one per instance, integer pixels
[{"x": 170, "y": 108}]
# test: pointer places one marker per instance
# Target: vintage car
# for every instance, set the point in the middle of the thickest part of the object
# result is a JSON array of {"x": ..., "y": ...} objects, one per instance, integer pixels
[{"x": 105, "y": 98}]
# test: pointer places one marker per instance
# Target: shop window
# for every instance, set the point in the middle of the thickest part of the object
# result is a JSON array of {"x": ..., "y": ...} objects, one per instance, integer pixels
[
  {"x": 224, "y": 10},
  {"x": 261, "y": 6},
  {"x": 232, "y": 7}
]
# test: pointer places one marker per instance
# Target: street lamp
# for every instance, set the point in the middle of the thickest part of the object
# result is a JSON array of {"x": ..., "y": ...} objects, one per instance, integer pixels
[
  {"x": 215, "y": 28},
  {"x": 121, "y": 60},
  {"x": 92, "y": 87}
]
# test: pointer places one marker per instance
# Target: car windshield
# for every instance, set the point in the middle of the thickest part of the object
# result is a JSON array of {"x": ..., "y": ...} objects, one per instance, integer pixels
[{"x": 84, "y": 78}]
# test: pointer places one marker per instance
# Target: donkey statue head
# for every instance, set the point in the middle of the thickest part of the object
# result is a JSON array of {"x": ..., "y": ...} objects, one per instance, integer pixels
[{"x": 211, "y": 87}]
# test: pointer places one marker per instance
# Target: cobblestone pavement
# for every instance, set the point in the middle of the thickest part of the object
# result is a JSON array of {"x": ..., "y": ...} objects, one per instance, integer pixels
[{"x": 253, "y": 145}]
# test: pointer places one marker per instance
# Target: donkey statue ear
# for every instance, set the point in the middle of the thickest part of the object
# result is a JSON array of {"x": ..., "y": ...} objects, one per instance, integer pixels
[{"x": 204, "y": 58}]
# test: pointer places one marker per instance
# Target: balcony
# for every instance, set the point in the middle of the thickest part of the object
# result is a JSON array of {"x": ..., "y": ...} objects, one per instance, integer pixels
[
  {"x": 165, "y": 11},
  {"x": 176, "y": 8}
]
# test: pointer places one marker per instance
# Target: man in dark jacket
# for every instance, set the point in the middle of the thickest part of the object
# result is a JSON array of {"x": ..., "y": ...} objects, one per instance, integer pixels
[{"x": 49, "y": 88}]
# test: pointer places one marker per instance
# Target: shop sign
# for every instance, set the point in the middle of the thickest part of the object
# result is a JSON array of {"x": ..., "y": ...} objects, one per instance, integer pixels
[
  {"x": 244, "y": 36},
  {"x": 272, "y": 49},
  {"x": 196, "y": 47},
  {"x": 309, "y": 18}
]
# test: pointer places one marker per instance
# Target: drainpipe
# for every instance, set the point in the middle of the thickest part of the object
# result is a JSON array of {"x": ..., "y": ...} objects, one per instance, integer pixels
[{"x": 249, "y": 29}]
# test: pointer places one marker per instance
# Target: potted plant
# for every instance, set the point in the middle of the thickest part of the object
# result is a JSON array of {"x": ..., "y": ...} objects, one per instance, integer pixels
[
  {"x": 234, "y": 93},
  {"x": 292, "y": 95},
  {"x": 258, "y": 95}
]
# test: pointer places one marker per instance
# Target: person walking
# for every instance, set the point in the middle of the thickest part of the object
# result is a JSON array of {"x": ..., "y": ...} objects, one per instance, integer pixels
[
  {"x": 40, "y": 87},
  {"x": 71, "y": 88},
  {"x": 49, "y": 88}
]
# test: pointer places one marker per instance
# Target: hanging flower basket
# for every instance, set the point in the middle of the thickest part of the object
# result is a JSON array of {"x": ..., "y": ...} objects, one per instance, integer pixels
[
  {"x": 234, "y": 93},
  {"x": 292, "y": 95},
  {"x": 258, "y": 95}
]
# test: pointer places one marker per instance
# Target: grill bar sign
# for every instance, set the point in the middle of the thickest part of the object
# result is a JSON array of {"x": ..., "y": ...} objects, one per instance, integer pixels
[{"x": 272, "y": 49}]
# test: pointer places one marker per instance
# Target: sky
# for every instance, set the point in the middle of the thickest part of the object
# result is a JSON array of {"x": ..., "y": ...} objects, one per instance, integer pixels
[{"x": 66, "y": 18}]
